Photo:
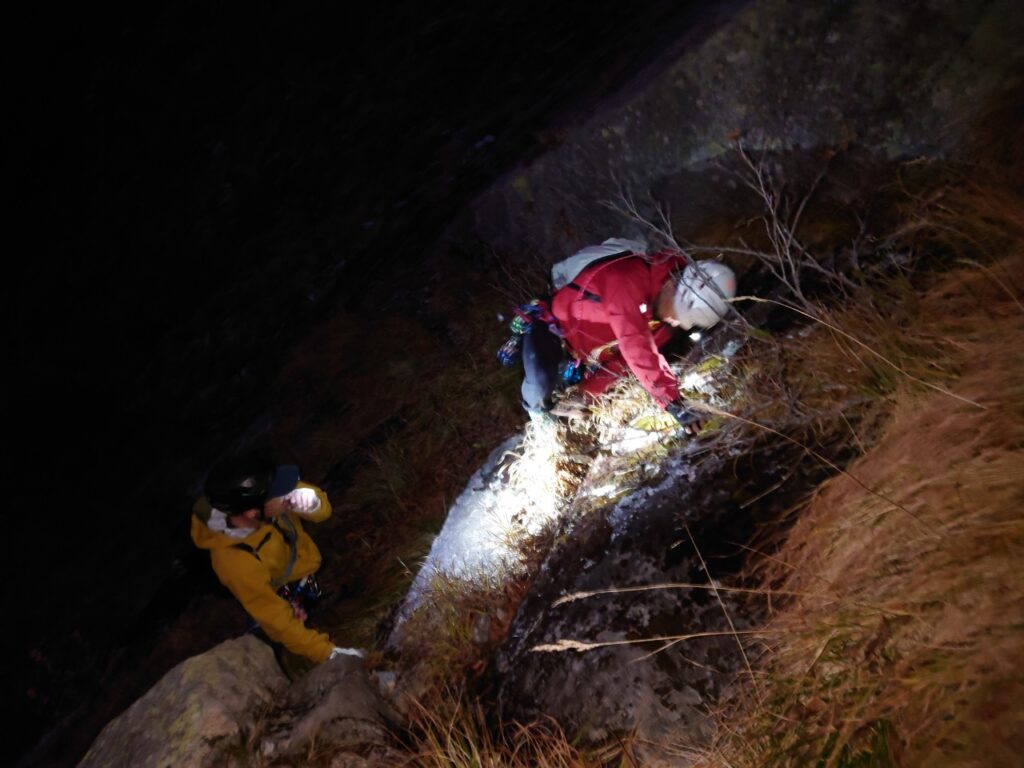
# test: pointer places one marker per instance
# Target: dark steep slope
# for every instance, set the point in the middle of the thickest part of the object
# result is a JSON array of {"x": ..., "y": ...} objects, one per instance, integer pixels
[
  {"x": 198, "y": 188},
  {"x": 388, "y": 393}
]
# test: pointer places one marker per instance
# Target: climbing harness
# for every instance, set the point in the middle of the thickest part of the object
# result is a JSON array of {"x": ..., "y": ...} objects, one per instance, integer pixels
[
  {"x": 563, "y": 275},
  {"x": 575, "y": 367},
  {"x": 303, "y": 594}
]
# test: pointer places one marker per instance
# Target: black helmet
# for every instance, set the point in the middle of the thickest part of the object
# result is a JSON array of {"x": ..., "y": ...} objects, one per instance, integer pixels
[{"x": 246, "y": 482}]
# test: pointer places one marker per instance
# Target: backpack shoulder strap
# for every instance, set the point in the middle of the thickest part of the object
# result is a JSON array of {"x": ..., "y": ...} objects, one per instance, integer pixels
[
  {"x": 254, "y": 551},
  {"x": 290, "y": 535},
  {"x": 596, "y": 266},
  {"x": 566, "y": 271},
  {"x": 588, "y": 295}
]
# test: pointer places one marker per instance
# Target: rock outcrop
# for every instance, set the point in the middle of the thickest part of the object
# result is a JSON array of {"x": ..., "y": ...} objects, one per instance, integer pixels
[
  {"x": 609, "y": 678},
  {"x": 895, "y": 79},
  {"x": 223, "y": 706},
  {"x": 199, "y": 708},
  {"x": 337, "y": 706}
]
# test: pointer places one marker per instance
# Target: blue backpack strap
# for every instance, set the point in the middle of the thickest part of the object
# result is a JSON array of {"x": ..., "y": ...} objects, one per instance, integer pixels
[{"x": 291, "y": 537}]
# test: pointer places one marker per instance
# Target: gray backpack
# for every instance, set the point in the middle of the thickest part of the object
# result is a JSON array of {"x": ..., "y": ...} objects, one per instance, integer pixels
[{"x": 566, "y": 270}]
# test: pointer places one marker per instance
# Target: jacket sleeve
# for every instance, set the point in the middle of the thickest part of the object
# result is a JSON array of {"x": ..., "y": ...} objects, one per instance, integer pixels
[
  {"x": 323, "y": 511},
  {"x": 636, "y": 340},
  {"x": 249, "y": 582}
]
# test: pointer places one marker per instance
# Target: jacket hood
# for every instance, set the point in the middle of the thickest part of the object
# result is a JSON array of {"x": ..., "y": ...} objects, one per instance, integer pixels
[{"x": 207, "y": 538}]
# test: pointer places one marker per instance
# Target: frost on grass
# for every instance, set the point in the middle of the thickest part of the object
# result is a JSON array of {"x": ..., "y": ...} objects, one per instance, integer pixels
[{"x": 523, "y": 485}]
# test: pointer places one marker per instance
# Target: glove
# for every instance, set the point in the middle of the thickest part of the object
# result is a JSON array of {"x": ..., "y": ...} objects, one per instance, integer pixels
[
  {"x": 690, "y": 421},
  {"x": 345, "y": 652},
  {"x": 304, "y": 501}
]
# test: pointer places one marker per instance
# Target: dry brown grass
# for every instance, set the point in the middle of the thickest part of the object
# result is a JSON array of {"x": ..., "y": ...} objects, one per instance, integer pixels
[
  {"x": 898, "y": 637},
  {"x": 912, "y": 657},
  {"x": 451, "y": 635},
  {"x": 459, "y": 736},
  {"x": 909, "y": 655}
]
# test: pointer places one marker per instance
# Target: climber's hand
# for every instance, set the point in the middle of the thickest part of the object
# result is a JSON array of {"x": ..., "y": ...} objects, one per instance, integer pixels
[
  {"x": 345, "y": 652},
  {"x": 302, "y": 500},
  {"x": 570, "y": 408},
  {"x": 692, "y": 423}
]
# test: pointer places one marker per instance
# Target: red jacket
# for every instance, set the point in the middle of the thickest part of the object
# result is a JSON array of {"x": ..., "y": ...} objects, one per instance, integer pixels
[{"x": 609, "y": 319}]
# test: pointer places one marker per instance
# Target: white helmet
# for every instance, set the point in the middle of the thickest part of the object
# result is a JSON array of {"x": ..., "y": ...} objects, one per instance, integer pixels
[{"x": 702, "y": 294}]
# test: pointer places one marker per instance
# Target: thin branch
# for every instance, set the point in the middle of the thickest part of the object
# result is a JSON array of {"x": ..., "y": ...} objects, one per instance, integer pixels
[
  {"x": 861, "y": 344},
  {"x": 728, "y": 618},
  {"x": 678, "y": 585},
  {"x": 582, "y": 647},
  {"x": 994, "y": 278},
  {"x": 699, "y": 406},
  {"x": 627, "y": 207}
]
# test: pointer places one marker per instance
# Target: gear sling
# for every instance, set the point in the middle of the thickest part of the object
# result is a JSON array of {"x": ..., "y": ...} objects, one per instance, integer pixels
[{"x": 302, "y": 595}]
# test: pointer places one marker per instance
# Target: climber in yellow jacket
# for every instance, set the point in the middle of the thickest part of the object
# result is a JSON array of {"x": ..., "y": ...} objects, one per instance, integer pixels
[{"x": 250, "y": 520}]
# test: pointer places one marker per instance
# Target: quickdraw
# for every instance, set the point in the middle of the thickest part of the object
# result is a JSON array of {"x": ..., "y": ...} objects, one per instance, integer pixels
[
  {"x": 573, "y": 372},
  {"x": 511, "y": 352},
  {"x": 302, "y": 594}
]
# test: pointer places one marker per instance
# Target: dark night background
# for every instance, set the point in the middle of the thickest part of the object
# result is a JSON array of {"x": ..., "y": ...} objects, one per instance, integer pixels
[{"x": 195, "y": 187}]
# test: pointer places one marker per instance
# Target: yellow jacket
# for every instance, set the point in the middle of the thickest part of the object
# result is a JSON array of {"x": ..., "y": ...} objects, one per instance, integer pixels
[{"x": 253, "y": 575}]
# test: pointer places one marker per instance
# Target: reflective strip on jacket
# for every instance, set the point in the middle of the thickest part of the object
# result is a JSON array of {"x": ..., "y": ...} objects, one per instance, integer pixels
[
  {"x": 251, "y": 579},
  {"x": 611, "y": 311}
]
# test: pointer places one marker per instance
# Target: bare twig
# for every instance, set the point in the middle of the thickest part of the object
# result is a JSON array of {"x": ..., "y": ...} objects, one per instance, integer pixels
[
  {"x": 995, "y": 278},
  {"x": 678, "y": 585},
  {"x": 864, "y": 346},
  {"x": 725, "y": 611},
  {"x": 699, "y": 406},
  {"x": 627, "y": 207},
  {"x": 582, "y": 647}
]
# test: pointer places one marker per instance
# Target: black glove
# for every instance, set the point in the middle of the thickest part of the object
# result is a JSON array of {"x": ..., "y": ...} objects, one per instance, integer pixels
[{"x": 690, "y": 422}]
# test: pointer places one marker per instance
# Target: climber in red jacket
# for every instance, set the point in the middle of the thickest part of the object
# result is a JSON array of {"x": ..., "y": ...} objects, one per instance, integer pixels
[{"x": 617, "y": 312}]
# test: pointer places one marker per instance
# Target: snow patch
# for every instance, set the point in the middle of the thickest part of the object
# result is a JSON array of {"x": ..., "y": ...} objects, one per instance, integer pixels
[{"x": 513, "y": 495}]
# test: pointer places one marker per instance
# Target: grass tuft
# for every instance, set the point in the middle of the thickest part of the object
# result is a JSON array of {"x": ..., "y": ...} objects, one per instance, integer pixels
[
  {"x": 460, "y": 736},
  {"x": 902, "y": 648}
]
